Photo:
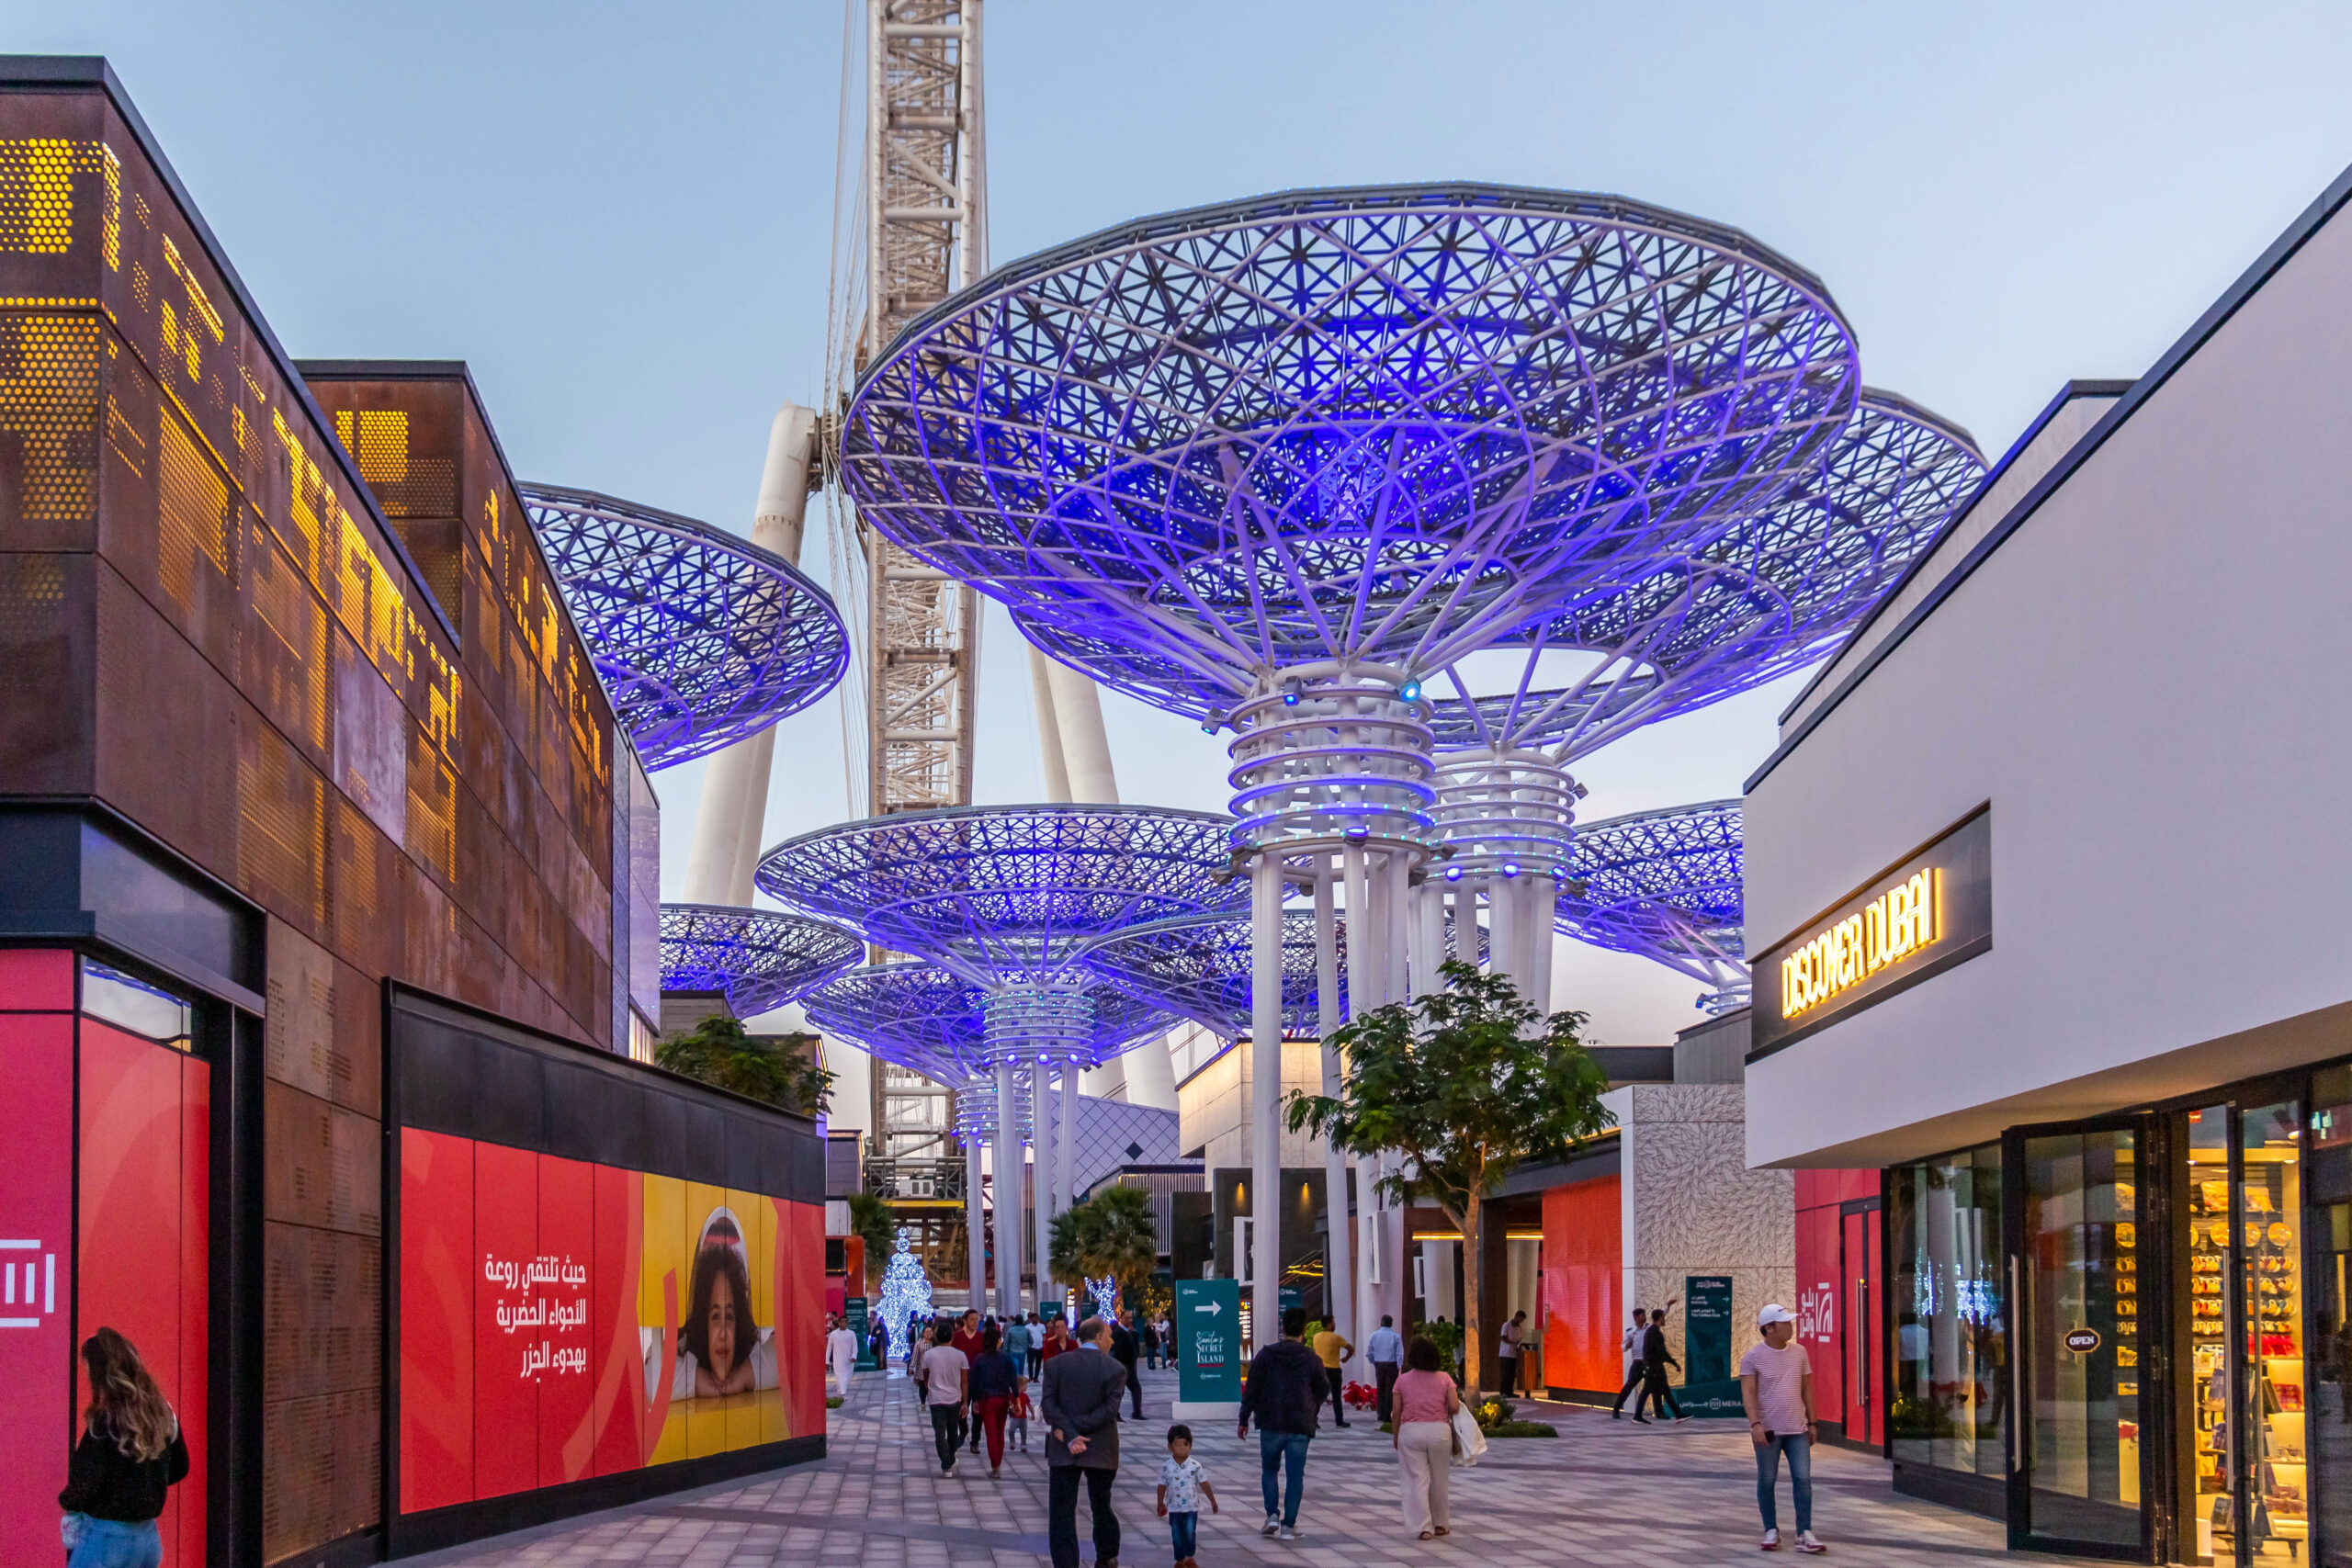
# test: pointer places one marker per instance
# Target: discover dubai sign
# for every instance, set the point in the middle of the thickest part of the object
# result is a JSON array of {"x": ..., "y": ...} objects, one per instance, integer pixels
[{"x": 1919, "y": 917}]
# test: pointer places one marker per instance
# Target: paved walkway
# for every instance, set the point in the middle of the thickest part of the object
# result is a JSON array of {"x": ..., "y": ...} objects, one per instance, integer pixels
[{"x": 1604, "y": 1494}]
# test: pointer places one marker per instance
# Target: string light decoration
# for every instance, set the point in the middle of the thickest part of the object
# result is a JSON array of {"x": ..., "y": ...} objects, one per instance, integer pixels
[
  {"x": 1668, "y": 885},
  {"x": 906, "y": 1293},
  {"x": 701, "y": 638}
]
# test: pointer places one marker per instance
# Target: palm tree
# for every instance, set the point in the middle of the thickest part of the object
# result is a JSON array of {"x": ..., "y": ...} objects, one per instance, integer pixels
[{"x": 1111, "y": 1235}]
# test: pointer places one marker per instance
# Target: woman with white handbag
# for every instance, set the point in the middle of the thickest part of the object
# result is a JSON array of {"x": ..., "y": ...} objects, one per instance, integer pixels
[{"x": 1427, "y": 1406}]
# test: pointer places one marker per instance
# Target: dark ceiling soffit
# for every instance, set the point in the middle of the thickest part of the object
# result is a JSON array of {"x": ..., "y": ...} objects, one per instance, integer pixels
[
  {"x": 1919, "y": 563},
  {"x": 2310, "y": 222},
  {"x": 41, "y": 73}
]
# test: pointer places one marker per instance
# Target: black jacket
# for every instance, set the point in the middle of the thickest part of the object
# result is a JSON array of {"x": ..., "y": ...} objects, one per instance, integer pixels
[
  {"x": 993, "y": 1376},
  {"x": 1081, "y": 1400},
  {"x": 107, "y": 1483},
  {"x": 1286, "y": 1388},
  {"x": 1122, "y": 1347},
  {"x": 1654, "y": 1352}
]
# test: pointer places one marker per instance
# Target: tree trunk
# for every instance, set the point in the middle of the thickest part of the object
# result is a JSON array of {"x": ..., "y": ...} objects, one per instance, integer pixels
[{"x": 1474, "y": 1331}]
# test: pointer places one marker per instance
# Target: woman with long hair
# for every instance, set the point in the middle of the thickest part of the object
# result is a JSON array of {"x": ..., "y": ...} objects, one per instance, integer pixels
[
  {"x": 1424, "y": 1401},
  {"x": 130, "y": 1454}
]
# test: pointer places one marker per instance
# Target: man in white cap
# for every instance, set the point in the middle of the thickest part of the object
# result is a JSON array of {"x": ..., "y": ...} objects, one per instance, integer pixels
[{"x": 1776, "y": 1386}]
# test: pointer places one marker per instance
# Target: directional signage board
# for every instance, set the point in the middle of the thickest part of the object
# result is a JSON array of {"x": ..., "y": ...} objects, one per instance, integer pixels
[
  {"x": 1208, "y": 1345},
  {"x": 853, "y": 1309}
]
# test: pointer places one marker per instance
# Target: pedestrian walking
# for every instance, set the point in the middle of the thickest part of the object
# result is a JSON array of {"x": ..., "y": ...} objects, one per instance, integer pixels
[
  {"x": 1081, "y": 1411},
  {"x": 967, "y": 1339},
  {"x": 1149, "y": 1332},
  {"x": 1632, "y": 1349},
  {"x": 918, "y": 1346},
  {"x": 1036, "y": 1347},
  {"x": 1385, "y": 1351},
  {"x": 1426, "y": 1400},
  {"x": 944, "y": 1369},
  {"x": 1285, "y": 1391},
  {"x": 1655, "y": 1358},
  {"x": 1513, "y": 1335},
  {"x": 131, "y": 1455},
  {"x": 880, "y": 1344},
  {"x": 1331, "y": 1348},
  {"x": 1016, "y": 1416},
  {"x": 996, "y": 1383},
  {"x": 1017, "y": 1341},
  {"x": 1182, "y": 1485},
  {"x": 840, "y": 1352},
  {"x": 1776, "y": 1387},
  {"x": 1123, "y": 1351},
  {"x": 1057, "y": 1340}
]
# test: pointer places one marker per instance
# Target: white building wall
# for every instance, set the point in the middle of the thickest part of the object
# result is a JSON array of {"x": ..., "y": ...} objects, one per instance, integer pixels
[{"x": 2151, "y": 680}]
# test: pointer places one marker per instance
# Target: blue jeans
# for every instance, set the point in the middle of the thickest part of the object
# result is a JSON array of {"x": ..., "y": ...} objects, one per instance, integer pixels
[
  {"x": 1185, "y": 1534},
  {"x": 1768, "y": 1471},
  {"x": 104, "y": 1543},
  {"x": 1283, "y": 1451}
]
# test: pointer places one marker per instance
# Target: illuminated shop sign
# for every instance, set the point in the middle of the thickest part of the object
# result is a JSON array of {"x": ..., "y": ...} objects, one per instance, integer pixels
[
  {"x": 1898, "y": 924},
  {"x": 1918, "y": 918}
]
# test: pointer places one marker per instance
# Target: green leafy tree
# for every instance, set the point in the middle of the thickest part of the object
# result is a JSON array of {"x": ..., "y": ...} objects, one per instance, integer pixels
[
  {"x": 772, "y": 1070},
  {"x": 1467, "y": 1084},
  {"x": 871, "y": 1221},
  {"x": 1111, "y": 1235}
]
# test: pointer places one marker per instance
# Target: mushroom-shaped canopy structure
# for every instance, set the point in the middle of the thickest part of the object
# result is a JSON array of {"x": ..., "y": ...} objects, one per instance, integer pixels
[
  {"x": 920, "y": 1016},
  {"x": 1200, "y": 968},
  {"x": 1754, "y": 602},
  {"x": 1665, "y": 884},
  {"x": 758, "y": 959},
  {"x": 1009, "y": 893},
  {"x": 1381, "y": 424},
  {"x": 701, "y": 638}
]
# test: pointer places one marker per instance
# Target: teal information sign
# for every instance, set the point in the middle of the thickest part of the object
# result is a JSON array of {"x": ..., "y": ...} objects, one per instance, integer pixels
[
  {"x": 1708, "y": 1387},
  {"x": 1208, "y": 1341},
  {"x": 853, "y": 1309}
]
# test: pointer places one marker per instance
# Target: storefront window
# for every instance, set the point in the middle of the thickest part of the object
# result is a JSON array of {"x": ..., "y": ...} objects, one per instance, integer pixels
[
  {"x": 1951, "y": 1362},
  {"x": 2329, "y": 1418},
  {"x": 2270, "y": 1218}
]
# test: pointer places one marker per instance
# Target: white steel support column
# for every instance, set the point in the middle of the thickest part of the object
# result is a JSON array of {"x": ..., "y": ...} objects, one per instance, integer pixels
[
  {"x": 1338, "y": 1225},
  {"x": 1065, "y": 1153},
  {"x": 1394, "y": 902},
  {"x": 1041, "y": 1196},
  {"x": 1008, "y": 1192},
  {"x": 1265, "y": 1100},
  {"x": 1502, "y": 915},
  {"x": 975, "y": 1228},
  {"x": 1544, "y": 894}
]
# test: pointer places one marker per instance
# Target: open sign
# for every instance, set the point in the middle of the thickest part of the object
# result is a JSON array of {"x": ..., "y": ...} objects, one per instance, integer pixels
[{"x": 2082, "y": 1341}]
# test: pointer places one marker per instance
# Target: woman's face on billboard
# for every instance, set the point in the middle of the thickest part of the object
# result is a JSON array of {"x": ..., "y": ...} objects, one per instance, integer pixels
[{"x": 720, "y": 1329}]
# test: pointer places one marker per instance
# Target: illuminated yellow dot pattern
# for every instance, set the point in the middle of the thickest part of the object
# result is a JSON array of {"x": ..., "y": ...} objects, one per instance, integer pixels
[{"x": 49, "y": 402}]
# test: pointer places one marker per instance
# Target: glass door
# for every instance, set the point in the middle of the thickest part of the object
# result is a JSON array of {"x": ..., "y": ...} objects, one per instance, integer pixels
[
  {"x": 2076, "y": 1291},
  {"x": 1860, "y": 1249}
]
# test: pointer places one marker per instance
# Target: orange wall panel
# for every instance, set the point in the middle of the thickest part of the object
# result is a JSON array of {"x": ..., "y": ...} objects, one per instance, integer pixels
[{"x": 1583, "y": 1285}]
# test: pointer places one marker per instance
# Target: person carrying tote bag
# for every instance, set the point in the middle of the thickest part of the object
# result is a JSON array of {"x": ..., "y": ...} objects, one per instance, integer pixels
[{"x": 1426, "y": 1406}]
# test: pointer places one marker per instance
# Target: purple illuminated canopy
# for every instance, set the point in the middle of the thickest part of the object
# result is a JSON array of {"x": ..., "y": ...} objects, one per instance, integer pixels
[{"x": 1667, "y": 886}]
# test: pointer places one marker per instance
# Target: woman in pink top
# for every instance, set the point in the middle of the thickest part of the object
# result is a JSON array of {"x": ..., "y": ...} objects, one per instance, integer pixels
[{"x": 1426, "y": 1400}]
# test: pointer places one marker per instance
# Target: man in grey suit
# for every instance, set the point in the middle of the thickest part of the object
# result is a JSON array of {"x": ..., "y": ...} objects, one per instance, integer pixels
[{"x": 1082, "y": 1412}]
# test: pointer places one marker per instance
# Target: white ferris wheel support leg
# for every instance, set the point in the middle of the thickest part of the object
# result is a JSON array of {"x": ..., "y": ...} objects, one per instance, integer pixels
[
  {"x": 1007, "y": 1154},
  {"x": 1265, "y": 1098},
  {"x": 1338, "y": 1273}
]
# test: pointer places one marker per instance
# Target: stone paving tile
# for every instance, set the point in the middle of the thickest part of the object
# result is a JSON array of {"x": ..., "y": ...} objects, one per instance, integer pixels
[{"x": 1603, "y": 1495}]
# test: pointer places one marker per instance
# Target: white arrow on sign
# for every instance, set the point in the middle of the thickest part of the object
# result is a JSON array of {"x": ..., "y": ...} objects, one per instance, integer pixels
[{"x": 1213, "y": 1307}]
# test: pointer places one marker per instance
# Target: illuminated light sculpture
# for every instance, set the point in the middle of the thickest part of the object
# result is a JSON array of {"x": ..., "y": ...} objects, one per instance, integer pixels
[
  {"x": 1667, "y": 886},
  {"x": 1005, "y": 898},
  {"x": 758, "y": 959},
  {"x": 1765, "y": 596},
  {"x": 906, "y": 1294},
  {"x": 1270, "y": 463},
  {"x": 701, "y": 638}
]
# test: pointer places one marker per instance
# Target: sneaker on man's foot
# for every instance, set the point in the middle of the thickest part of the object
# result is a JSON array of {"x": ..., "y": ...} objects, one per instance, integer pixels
[
  {"x": 1271, "y": 1525},
  {"x": 1771, "y": 1541},
  {"x": 1643, "y": 1419},
  {"x": 1805, "y": 1543},
  {"x": 1291, "y": 1532}
]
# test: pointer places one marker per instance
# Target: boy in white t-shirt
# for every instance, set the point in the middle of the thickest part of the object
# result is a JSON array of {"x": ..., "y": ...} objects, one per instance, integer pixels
[
  {"x": 1182, "y": 1485},
  {"x": 1776, "y": 1386}
]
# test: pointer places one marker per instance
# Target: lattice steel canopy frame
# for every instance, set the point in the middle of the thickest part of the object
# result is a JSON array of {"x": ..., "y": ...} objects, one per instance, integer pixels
[
  {"x": 920, "y": 1016},
  {"x": 1383, "y": 424},
  {"x": 1200, "y": 969},
  {"x": 758, "y": 959},
  {"x": 1005, "y": 893},
  {"x": 1667, "y": 886},
  {"x": 1767, "y": 595},
  {"x": 702, "y": 637}
]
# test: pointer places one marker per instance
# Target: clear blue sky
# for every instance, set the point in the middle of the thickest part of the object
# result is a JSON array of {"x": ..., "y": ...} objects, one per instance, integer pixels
[{"x": 620, "y": 215}]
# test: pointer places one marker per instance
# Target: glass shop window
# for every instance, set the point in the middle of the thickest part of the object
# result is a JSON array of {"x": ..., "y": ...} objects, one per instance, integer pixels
[
  {"x": 1950, "y": 1380},
  {"x": 2329, "y": 1295}
]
